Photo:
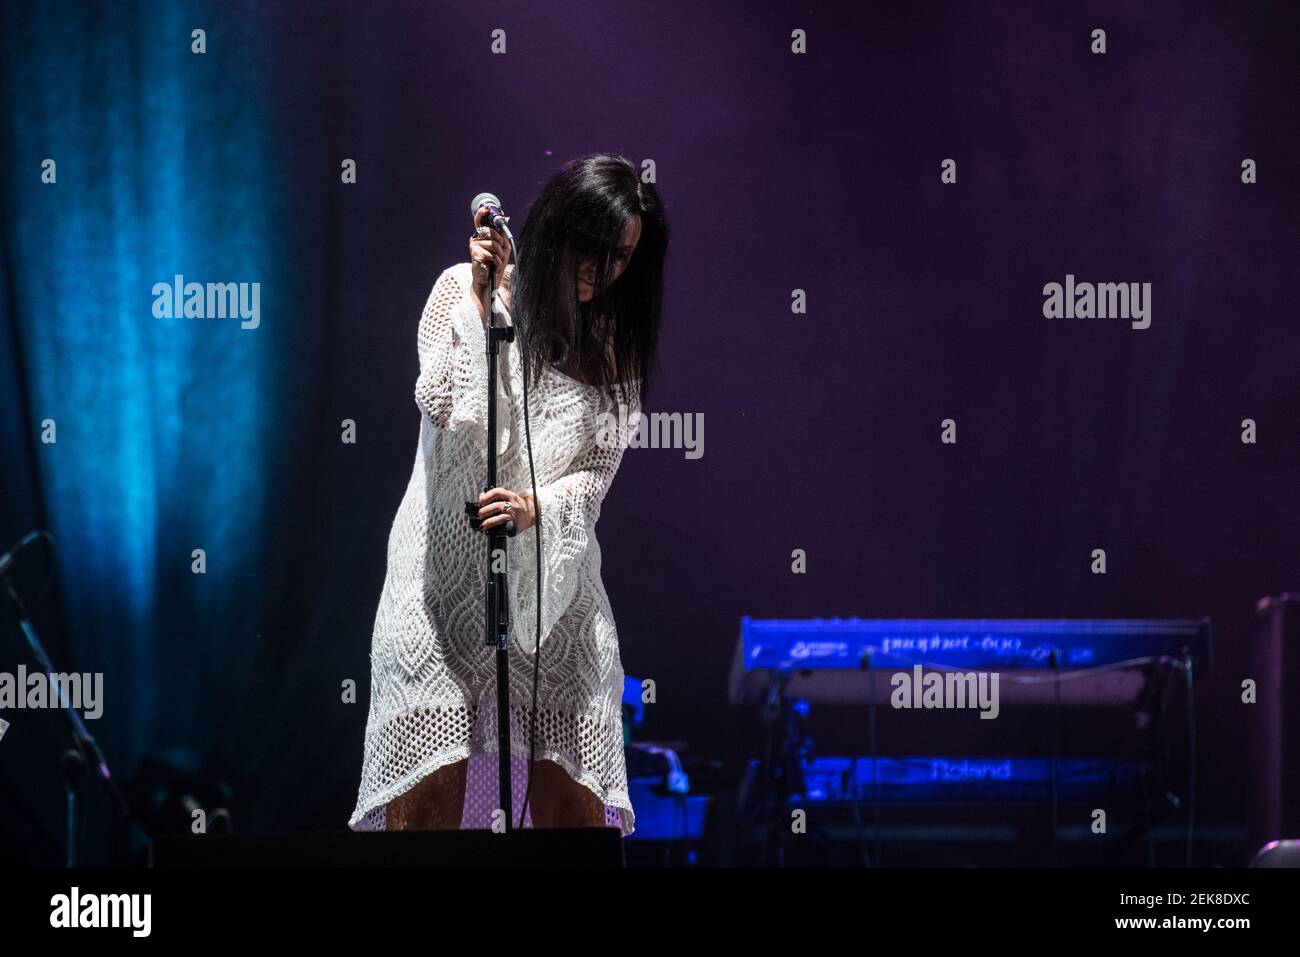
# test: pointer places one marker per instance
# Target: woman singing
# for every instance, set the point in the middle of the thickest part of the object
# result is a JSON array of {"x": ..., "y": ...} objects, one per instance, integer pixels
[{"x": 585, "y": 296}]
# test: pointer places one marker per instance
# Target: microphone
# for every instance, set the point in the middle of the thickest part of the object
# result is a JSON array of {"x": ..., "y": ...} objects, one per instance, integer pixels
[{"x": 496, "y": 216}]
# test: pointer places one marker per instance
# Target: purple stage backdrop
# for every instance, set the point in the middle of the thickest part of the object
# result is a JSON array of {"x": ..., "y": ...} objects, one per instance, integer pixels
[{"x": 837, "y": 290}]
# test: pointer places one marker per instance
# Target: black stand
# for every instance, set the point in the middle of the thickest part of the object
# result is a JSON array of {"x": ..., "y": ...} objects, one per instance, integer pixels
[
  {"x": 73, "y": 765},
  {"x": 1054, "y": 797},
  {"x": 778, "y": 771},
  {"x": 86, "y": 751},
  {"x": 496, "y": 600}
]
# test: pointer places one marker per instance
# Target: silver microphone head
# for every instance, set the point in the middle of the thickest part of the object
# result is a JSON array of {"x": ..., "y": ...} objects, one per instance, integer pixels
[
  {"x": 481, "y": 200},
  {"x": 497, "y": 217}
]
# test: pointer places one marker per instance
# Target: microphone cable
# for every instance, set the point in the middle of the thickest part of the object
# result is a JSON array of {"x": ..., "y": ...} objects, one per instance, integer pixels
[{"x": 526, "y": 355}]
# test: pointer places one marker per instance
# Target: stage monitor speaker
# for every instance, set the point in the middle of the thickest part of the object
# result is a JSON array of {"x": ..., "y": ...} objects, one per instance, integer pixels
[{"x": 541, "y": 847}]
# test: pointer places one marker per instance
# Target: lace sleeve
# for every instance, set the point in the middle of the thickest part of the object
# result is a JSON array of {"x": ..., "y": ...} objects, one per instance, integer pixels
[
  {"x": 452, "y": 386},
  {"x": 568, "y": 510}
]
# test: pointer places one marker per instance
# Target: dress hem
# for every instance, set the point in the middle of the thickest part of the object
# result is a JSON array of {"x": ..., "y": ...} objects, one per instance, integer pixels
[{"x": 620, "y": 801}]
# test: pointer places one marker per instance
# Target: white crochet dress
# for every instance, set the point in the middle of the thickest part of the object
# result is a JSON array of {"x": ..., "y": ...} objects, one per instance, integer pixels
[{"x": 433, "y": 680}]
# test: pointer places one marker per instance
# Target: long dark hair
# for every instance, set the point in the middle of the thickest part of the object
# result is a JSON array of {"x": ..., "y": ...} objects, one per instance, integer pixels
[{"x": 582, "y": 212}]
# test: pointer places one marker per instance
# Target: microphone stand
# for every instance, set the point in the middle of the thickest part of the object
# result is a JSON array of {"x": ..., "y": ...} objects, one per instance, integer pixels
[
  {"x": 86, "y": 752},
  {"x": 496, "y": 602}
]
